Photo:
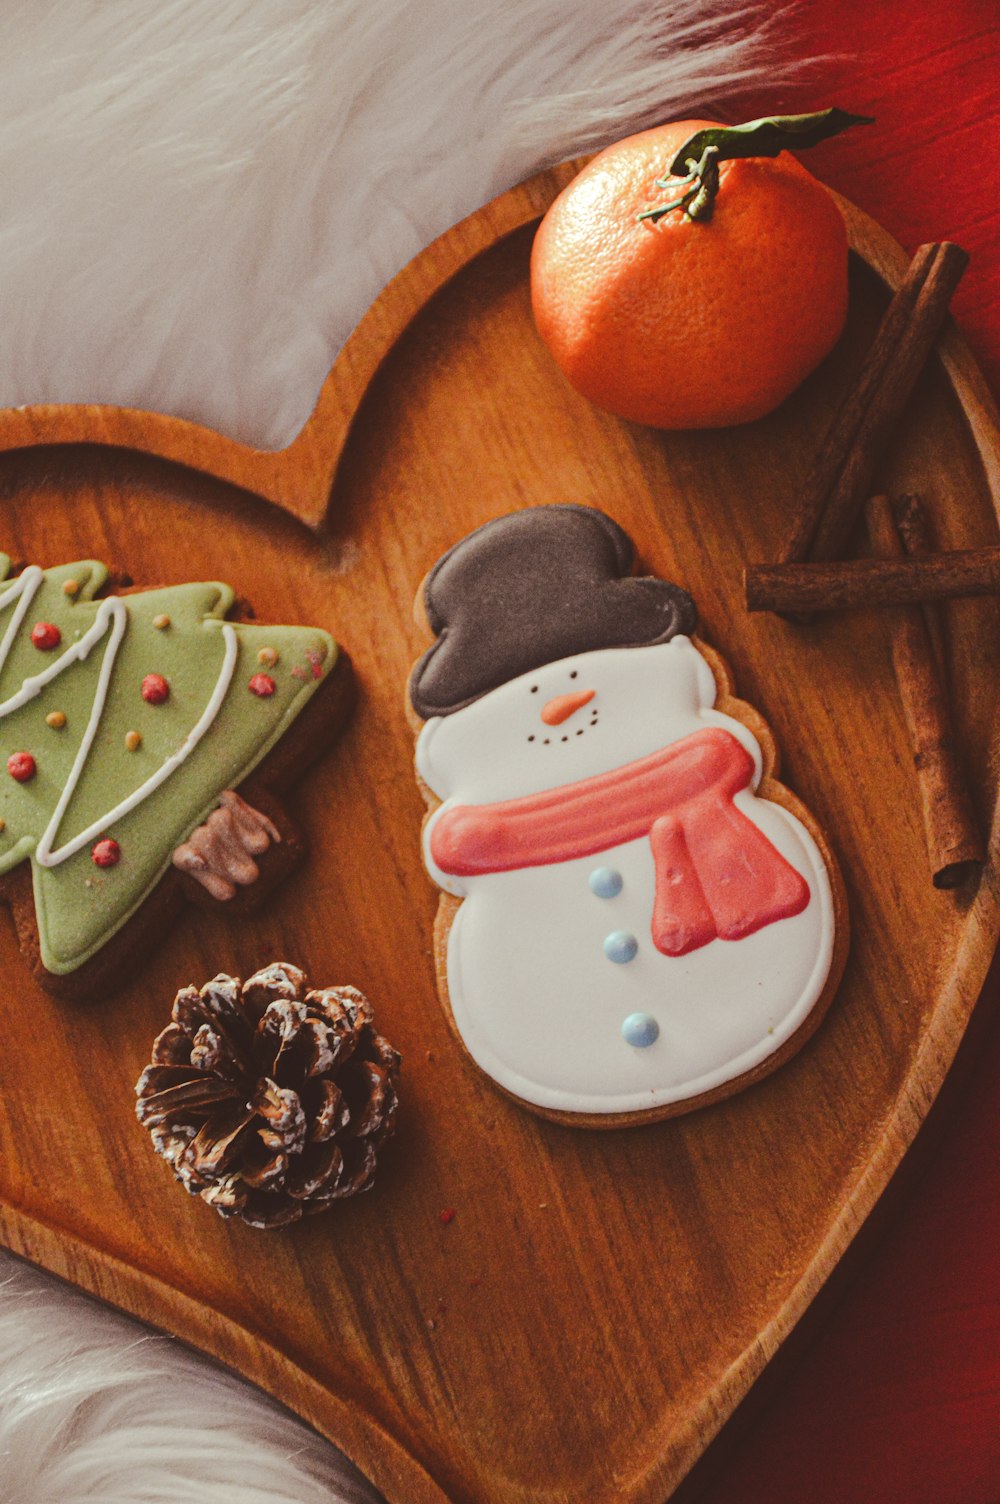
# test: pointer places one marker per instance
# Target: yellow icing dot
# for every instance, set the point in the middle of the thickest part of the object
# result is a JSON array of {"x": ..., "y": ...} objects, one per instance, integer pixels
[
  {"x": 3, "y": 824},
  {"x": 56, "y": 718},
  {"x": 133, "y": 740},
  {"x": 161, "y": 621},
  {"x": 267, "y": 656},
  {"x": 70, "y": 587}
]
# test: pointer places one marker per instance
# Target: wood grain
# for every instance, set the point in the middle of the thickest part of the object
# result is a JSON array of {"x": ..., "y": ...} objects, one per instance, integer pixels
[{"x": 600, "y": 1302}]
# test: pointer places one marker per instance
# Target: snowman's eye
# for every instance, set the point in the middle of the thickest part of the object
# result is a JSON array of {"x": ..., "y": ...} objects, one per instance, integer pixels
[
  {"x": 534, "y": 689},
  {"x": 573, "y": 674}
]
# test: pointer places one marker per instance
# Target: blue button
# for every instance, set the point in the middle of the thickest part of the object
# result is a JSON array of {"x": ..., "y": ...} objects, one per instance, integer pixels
[
  {"x": 605, "y": 882},
  {"x": 640, "y": 1030},
  {"x": 620, "y": 947}
]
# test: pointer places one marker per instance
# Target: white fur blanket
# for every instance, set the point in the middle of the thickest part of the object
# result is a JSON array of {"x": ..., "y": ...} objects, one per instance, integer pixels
[{"x": 199, "y": 202}]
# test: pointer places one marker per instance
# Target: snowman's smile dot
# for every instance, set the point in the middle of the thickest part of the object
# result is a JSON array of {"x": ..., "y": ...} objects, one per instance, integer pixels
[
  {"x": 560, "y": 703},
  {"x": 547, "y": 741}
]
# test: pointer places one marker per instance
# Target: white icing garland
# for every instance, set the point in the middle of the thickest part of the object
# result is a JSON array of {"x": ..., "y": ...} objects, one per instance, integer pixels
[
  {"x": 32, "y": 576},
  {"x": 114, "y": 611}
]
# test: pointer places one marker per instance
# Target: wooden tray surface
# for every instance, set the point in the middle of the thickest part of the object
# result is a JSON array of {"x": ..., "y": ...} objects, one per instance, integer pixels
[{"x": 601, "y": 1302}]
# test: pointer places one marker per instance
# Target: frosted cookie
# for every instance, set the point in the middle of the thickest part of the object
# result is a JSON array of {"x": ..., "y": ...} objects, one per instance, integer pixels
[
  {"x": 636, "y": 917},
  {"x": 127, "y": 723}
]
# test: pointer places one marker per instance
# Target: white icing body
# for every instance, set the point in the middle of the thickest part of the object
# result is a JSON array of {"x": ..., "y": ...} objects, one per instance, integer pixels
[{"x": 535, "y": 999}]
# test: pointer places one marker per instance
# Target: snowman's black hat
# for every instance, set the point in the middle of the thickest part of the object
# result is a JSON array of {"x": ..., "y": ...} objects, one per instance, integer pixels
[{"x": 532, "y": 588}]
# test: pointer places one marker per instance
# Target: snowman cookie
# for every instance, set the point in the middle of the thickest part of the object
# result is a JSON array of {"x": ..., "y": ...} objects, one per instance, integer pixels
[{"x": 636, "y": 918}]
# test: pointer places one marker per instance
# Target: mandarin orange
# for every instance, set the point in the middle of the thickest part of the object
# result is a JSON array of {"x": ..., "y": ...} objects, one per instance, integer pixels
[{"x": 686, "y": 323}]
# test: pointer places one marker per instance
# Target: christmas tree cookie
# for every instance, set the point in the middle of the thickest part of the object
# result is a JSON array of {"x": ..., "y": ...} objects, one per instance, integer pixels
[
  {"x": 127, "y": 723},
  {"x": 636, "y": 917}
]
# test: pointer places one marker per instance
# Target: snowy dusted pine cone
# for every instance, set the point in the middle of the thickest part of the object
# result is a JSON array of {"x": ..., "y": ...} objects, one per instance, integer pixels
[{"x": 267, "y": 1099}]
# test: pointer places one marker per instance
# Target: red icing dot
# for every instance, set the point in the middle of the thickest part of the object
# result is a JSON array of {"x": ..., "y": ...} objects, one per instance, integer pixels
[
  {"x": 155, "y": 689},
  {"x": 21, "y": 766},
  {"x": 46, "y": 636},
  {"x": 448, "y": 1215},
  {"x": 262, "y": 685},
  {"x": 106, "y": 853}
]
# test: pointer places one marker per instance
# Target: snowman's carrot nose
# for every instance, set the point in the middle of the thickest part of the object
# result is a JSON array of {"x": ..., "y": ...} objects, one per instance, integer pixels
[{"x": 563, "y": 706}]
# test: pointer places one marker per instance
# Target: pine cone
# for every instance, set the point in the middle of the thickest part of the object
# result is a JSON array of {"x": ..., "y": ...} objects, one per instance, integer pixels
[{"x": 269, "y": 1100}]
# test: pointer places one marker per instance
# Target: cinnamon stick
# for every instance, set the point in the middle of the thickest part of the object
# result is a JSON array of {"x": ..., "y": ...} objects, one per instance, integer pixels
[
  {"x": 841, "y": 474},
  {"x": 855, "y": 583},
  {"x": 829, "y": 459},
  {"x": 915, "y": 530},
  {"x": 954, "y": 846},
  {"x": 914, "y": 527}
]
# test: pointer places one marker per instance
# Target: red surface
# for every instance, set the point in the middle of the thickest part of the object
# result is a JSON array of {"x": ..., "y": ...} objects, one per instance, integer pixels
[{"x": 896, "y": 1397}]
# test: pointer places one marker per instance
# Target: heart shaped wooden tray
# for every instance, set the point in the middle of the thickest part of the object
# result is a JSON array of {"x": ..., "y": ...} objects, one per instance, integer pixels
[{"x": 600, "y": 1302}]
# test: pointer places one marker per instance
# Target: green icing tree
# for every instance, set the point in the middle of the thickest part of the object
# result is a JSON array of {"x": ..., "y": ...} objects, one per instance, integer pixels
[{"x": 88, "y": 742}]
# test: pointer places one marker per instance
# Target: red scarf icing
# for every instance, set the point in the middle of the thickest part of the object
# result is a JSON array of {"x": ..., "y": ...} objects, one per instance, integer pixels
[{"x": 717, "y": 874}]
